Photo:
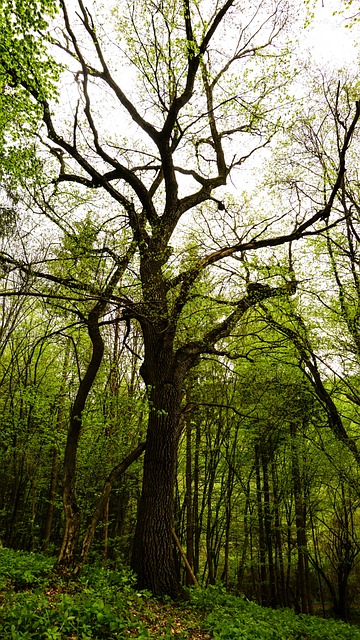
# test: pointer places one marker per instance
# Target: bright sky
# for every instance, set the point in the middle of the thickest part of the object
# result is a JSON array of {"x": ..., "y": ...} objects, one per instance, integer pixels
[{"x": 328, "y": 37}]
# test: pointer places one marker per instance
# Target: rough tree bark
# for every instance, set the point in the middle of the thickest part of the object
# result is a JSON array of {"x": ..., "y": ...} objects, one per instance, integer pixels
[{"x": 152, "y": 557}]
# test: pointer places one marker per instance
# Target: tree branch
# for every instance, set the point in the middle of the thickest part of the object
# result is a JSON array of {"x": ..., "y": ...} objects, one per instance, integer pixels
[{"x": 256, "y": 293}]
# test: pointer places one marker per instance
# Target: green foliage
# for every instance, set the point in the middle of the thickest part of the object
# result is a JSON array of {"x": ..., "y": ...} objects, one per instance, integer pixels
[
  {"x": 36, "y": 615},
  {"x": 100, "y": 605},
  {"x": 106, "y": 582},
  {"x": 105, "y": 605},
  {"x": 22, "y": 52},
  {"x": 231, "y": 618},
  {"x": 76, "y": 256},
  {"x": 27, "y": 71},
  {"x": 23, "y": 570}
]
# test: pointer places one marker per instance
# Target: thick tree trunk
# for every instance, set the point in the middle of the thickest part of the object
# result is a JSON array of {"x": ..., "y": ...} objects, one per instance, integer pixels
[{"x": 152, "y": 557}]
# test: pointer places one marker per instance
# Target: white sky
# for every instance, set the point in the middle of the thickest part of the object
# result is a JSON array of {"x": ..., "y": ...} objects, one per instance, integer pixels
[{"x": 331, "y": 41}]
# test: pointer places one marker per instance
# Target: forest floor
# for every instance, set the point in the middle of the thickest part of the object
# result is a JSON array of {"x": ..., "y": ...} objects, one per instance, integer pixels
[
  {"x": 103, "y": 604},
  {"x": 151, "y": 617},
  {"x": 164, "y": 619},
  {"x": 169, "y": 620}
]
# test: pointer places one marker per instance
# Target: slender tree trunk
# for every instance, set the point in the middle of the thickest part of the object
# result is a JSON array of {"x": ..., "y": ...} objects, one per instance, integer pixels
[
  {"x": 227, "y": 544},
  {"x": 71, "y": 531},
  {"x": 228, "y": 515},
  {"x": 55, "y": 454},
  {"x": 106, "y": 532},
  {"x": 17, "y": 492},
  {"x": 210, "y": 551},
  {"x": 245, "y": 546},
  {"x": 186, "y": 562},
  {"x": 300, "y": 526},
  {"x": 345, "y": 548},
  {"x": 279, "y": 560},
  {"x": 264, "y": 595},
  {"x": 196, "y": 520},
  {"x": 268, "y": 529},
  {"x": 33, "y": 510},
  {"x": 317, "y": 561},
  {"x": 51, "y": 498},
  {"x": 189, "y": 504},
  {"x": 103, "y": 503},
  {"x": 288, "y": 555}
]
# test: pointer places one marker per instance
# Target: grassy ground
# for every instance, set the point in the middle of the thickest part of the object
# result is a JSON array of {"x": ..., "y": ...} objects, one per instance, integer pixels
[{"x": 104, "y": 605}]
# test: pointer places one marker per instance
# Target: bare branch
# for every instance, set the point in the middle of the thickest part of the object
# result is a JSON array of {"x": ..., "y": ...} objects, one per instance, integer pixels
[{"x": 255, "y": 293}]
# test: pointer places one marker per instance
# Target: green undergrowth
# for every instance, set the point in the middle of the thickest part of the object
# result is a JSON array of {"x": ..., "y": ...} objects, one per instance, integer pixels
[
  {"x": 36, "y": 604},
  {"x": 234, "y": 618}
]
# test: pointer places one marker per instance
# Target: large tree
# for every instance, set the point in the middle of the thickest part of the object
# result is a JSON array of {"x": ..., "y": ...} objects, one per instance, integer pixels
[{"x": 161, "y": 104}]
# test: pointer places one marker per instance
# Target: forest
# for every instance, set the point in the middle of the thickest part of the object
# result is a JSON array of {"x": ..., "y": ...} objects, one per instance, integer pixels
[{"x": 180, "y": 305}]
